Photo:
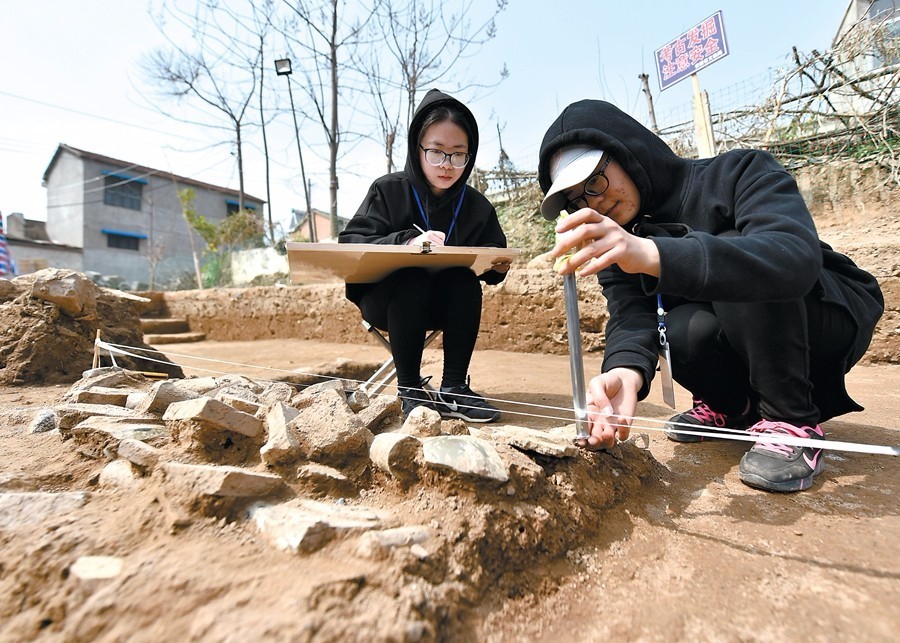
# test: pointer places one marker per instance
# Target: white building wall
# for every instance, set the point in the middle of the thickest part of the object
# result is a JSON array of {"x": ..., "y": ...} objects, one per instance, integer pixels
[{"x": 66, "y": 195}]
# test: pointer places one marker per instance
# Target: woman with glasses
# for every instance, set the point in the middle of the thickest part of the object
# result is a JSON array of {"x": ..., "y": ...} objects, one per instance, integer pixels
[
  {"x": 430, "y": 201},
  {"x": 717, "y": 264}
]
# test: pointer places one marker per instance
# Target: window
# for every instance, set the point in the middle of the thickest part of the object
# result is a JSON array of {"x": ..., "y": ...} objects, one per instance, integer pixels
[
  {"x": 231, "y": 207},
  {"x": 122, "y": 242},
  {"x": 122, "y": 192}
]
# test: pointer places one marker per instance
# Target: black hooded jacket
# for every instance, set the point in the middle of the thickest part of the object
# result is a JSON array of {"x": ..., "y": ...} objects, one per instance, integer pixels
[
  {"x": 729, "y": 228},
  {"x": 389, "y": 211}
]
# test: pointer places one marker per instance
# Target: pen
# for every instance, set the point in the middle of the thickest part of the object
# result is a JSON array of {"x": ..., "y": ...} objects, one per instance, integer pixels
[{"x": 418, "y": 228}]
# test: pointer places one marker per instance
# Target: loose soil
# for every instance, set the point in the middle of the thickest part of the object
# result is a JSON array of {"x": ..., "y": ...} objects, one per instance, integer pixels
[{"x": 651, "y": 541}]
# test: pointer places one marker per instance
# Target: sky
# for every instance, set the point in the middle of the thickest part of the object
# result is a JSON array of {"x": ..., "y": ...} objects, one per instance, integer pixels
[{"x": 70, "y": 73}]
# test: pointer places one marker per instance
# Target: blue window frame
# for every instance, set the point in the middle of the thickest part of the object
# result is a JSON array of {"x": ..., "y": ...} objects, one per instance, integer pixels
[
  {"x": 122, "y": 190},
  {"x": 123, "y": 240}
]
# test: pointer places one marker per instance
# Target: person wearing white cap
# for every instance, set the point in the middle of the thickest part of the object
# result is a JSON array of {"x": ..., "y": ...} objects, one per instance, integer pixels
[{"x": 763, "y": 320}]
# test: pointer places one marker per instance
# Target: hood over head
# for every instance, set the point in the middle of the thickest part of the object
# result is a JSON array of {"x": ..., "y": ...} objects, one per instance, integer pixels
[
  {"x": 436, "y": 99},
  {"x": 655, "y": 169}
]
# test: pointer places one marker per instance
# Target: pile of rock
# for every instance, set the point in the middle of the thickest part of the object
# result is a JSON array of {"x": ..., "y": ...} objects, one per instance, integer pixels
[{"x": 294, "y": 462}]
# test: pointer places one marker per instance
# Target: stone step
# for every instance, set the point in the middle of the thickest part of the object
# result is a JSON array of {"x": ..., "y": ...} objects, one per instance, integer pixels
[
  {"x": 159, "y": 325},
  {"x": 173, "y": 338}
]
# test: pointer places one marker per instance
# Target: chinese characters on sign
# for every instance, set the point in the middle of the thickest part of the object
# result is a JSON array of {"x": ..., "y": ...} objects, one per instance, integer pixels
[{"x": 693, "y": 50}]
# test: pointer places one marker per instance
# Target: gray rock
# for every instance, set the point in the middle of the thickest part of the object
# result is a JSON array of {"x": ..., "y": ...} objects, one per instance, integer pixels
[
  {"x": 26, "y": 509},
  {"x": 465, "y": 455},
  {"x": 44, "y": 420},
  {"x": 303, "y": 526}
]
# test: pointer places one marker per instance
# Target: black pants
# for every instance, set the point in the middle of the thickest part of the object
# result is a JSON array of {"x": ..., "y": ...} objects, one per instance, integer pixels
[
  {"x": 764, "y": 352},
  {"x": 409, "y": 302}
]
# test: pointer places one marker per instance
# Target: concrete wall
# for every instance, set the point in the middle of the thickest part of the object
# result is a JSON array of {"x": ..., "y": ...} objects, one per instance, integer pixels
[
  {"x": 31, "y": 256},
  {"x": 247, "y": 265},
  {"x": 67, "y": 193}
]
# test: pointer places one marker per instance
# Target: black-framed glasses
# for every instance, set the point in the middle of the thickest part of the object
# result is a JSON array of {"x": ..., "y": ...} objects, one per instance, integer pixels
[
  {"x": 437, "y": 157},
  {"x": 596, "y": 184}
]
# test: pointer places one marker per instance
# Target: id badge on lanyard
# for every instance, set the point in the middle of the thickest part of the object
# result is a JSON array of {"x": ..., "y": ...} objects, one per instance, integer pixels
[{"x": 665, "y": 359}]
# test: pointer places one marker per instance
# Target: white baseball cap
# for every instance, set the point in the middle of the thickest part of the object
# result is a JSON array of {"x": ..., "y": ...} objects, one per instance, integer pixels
[{"x": 569, "y": 166}]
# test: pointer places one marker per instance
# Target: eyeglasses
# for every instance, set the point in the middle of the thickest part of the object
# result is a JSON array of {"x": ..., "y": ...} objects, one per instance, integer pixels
[
  {"x": 437, "y": 157},
  {"x": 596, "y": 184}
]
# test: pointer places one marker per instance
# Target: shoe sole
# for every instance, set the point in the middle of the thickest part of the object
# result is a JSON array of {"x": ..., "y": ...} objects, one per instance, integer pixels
[
  {"x": 463, "y": 416},
  {"x": 689, "y": 437},
  {"x": 788, "y": 486}
]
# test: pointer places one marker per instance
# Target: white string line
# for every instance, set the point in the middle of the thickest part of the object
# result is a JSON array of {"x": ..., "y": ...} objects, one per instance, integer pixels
[{"x": 720, "y": 433}]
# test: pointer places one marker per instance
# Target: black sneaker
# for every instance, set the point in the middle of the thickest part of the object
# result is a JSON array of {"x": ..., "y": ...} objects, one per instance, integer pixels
[
  {"x": 464, "y": 403},
  {"x": 410, "y": 398},
  {"x": 703, "y": 418},
  {"x": 780, "y": 467}
]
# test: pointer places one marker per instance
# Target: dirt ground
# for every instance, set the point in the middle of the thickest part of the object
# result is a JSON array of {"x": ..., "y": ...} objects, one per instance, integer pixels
[
  {"x": 685, "y": 551},
  {"x": 652, "y": 541},
  {"x": 692, "y": 553}
]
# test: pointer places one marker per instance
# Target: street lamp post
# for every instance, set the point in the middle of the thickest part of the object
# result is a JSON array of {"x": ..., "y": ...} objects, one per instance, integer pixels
[{"x": 283, "y": 68}]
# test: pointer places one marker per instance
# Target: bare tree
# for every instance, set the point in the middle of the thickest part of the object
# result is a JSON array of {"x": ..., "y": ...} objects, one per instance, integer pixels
[
  {"x": 326, "y": 31},
  {"x": 427, "y": 42},
  {"x": 217, "y": 72}
]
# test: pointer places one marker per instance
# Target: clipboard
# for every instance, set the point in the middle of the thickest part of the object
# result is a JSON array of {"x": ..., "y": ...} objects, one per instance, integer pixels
[{"x": 371, "y": 262}]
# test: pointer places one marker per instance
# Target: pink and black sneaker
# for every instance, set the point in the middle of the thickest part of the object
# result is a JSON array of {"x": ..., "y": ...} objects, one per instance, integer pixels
[
  {"x": 703, "y": 418},
  {"x": 780, "y": 467}
]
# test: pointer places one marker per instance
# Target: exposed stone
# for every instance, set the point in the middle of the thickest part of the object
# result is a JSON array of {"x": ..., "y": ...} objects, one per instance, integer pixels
[
  {"x": 242, "y": 404},
  {"x": 277, "y": 392},
  {"x": 135, "y": 399},
  {"x": 72, "y": 292},
  {"x": 103, "y": 395},
  {"x": 71, "y": 414},
  {"x": 282, "y": 444},
  {"x": 106, "y": 377},
  {"x": 454, "y": 426},
  {"x": 465, "y": 455},
  {"x": 398, "y": 454},
  {"x": 357, "y": 400},
  {"x": 225, "y": 481},
  {"x": 93, "y": 570},
  {"x": 380, "y": 410},
  {"x": 99, "y": 436},
  {"x": 378, "y": 544},
  {"x": 303, "y": 526},
  {"x": 44, "y": 420},
  {"x": 326, "y": 481},
  {"x": 164, "y": 393},
  {"x": 329, "y": 432},
  {"x": 199, "y": 385},
  {"x": 327, "y": 385},
  {"x": 214, "y": 414},
  {"x": 139, "y": 453},
  {"x": 25, "y": 509},
  {"x": 119, "y": 474},
  {"x": 422, "y": 422},
  {"x": 536, "y": 441}
]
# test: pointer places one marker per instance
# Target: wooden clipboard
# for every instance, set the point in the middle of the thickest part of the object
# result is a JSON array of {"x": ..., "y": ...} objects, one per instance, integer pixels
[{"x": 371, "y": 262}]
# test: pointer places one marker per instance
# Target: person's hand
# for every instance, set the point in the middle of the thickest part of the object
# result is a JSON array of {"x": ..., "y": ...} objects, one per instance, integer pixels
[
  {"x": 598, "y": 242},
  {"x": 611, "y": 403},
  {"x": 434, "y": 237},
  {"x": 501, "y": 266}
]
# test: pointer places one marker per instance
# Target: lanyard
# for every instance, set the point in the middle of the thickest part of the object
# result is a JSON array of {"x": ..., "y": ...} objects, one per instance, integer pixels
[{"x": 455, "y": 211}]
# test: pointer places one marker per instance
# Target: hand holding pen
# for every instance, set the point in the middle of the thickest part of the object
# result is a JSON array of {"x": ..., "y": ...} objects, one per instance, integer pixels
[{"x": 434, "y": 237}]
